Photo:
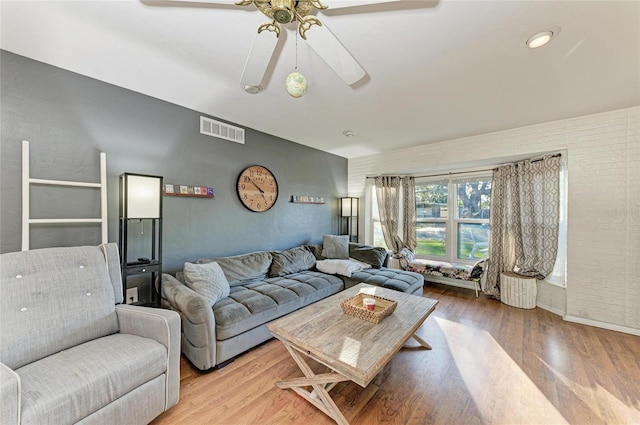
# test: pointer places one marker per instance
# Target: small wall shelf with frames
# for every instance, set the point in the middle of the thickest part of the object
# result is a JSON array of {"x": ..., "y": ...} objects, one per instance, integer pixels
[{"x": 304, "y": 199}]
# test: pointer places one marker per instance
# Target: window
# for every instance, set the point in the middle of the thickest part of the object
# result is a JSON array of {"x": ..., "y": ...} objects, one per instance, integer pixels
[
  {"x": 461, "y": 236},
  {"x": 452, "y": 220},
  {"x": 473, "y": 198},
  {"x": 432, "y": 212}
]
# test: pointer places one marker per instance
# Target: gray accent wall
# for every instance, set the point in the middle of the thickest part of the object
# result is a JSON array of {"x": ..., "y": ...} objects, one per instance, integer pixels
[{"x": 69, "y": 119}]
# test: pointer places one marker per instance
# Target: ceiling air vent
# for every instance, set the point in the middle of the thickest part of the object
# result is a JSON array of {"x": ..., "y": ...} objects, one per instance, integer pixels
[{"x": 219, "y": 129}]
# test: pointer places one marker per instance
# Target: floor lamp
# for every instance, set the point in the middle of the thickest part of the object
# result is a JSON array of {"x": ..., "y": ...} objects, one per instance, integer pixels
[
  {"x": 349, "y": 217},
  {"x": 141, "y": 203}
]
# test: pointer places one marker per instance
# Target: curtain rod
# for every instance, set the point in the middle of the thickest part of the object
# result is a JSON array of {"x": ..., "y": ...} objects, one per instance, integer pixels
[
  {"x": 556, "y": 155},
  {"x": 479, "y": 170}
]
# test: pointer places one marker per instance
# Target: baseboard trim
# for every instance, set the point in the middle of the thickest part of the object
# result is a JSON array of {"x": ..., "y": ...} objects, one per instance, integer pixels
[
  {"x": 604, "y": 325},
  {"x": 551, "y": 309}
]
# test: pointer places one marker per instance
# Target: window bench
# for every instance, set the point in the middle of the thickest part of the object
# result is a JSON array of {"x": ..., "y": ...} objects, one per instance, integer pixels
[{"x": 454, "y": 274}]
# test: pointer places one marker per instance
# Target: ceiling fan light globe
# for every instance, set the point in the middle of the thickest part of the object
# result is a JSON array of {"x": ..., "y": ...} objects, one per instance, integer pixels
[{"x": 296, "y": 84}]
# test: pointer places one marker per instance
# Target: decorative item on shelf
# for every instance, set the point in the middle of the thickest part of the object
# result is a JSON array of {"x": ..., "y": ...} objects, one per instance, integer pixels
[
  {"x": 141, "y": 202},
  {"x": 189, "y": 191},
  {"x": 303, "y": 199},
  {"x": 349, "y": 217}
]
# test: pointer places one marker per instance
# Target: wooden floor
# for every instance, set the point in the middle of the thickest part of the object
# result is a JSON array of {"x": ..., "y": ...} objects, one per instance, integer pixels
[{"x": 490, "y": 364}]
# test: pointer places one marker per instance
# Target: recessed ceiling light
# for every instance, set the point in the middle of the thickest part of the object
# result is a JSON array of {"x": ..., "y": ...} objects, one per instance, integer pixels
[
  {"x": 540, "y": 39},
  {"x": 349, "y": 133}
]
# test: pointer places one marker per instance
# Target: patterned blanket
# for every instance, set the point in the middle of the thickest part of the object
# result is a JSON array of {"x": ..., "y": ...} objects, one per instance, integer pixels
[{"x": 449, "y": 270}]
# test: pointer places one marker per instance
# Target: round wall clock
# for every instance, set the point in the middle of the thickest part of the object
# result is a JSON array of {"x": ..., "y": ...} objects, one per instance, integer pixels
[{"x": 257, "y": 188}]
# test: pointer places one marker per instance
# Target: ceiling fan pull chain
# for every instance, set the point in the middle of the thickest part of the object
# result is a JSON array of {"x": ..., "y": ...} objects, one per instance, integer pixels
[{"x": 296, "y": 83}]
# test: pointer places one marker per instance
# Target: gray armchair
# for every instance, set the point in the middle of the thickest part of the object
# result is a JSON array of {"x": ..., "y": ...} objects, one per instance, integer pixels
[{"x": 70, "y": 352}]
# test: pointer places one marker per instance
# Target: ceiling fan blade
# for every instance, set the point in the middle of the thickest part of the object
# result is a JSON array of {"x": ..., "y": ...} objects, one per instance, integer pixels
[
  {"x": 208, "y": 1},
  {"x": 258, "y": 60},
  {"x": 337, "y": 4},
  {"x": 329, "y": 48}
]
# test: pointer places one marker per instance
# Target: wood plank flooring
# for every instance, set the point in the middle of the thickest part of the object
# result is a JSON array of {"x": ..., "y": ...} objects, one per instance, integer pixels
[{"x": 490, "y": 364}]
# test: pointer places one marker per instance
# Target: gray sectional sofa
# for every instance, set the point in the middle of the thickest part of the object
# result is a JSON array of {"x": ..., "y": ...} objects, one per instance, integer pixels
[
  {"x": 261, "y": 287},
  {"x": 70, "y": 352}
]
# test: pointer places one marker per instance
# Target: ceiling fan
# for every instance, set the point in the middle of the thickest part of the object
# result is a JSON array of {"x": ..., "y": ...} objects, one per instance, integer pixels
[{"x": 317, "y": 35}]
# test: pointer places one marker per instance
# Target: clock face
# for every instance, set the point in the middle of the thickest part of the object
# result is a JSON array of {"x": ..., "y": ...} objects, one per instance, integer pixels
[{"x": 257, "y": 188}]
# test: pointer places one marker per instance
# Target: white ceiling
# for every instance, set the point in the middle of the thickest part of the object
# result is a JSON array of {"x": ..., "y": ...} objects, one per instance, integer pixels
[{"x": 437, "y": 70}]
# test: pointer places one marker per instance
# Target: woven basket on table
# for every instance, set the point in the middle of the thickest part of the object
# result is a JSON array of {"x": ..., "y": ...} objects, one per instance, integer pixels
[{"x": 354, "y": 307}]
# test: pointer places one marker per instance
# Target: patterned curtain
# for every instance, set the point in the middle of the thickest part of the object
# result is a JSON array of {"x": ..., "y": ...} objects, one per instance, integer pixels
[
  {"x": 388, "y": 194},
  {"x": 409, "y": 213},
  {"x": 525, "y": 214}
]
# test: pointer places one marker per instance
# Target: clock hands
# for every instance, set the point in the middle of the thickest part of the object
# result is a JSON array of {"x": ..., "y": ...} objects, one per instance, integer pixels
[{"x": 258, "y": 187}]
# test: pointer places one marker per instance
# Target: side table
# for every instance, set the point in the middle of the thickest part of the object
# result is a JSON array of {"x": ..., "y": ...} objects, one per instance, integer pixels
[
  {"x": 517, "y": 290},
  {"x": 153, "y": 269}
]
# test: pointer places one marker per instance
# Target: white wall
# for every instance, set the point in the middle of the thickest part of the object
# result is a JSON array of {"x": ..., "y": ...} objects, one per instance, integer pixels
[
  {"x": 603, "y": 158},
  {"x": 551, "y": 297}
]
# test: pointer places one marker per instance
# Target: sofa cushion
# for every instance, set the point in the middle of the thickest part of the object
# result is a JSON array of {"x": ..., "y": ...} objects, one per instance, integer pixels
[
  {"x": 256, "y": 303},
  {"x": 398, "y": 280},
  {"x": 334, "y": 246},
  {"x": 37, "y": 285},
  {"x": 291, "y": 261},
  {"x": 243, "y": 268},
  {"x": 74, "y": 383},
  {"x": 372, "y": 255},
  {"x": 207, "y": 279},
  {"x": 444, "y": 269}
]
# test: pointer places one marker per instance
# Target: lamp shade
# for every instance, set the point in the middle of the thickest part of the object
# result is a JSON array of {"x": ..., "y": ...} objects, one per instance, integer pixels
[
  {"x": 349, "y": 207},
  {"x": 142, "y": 195}
]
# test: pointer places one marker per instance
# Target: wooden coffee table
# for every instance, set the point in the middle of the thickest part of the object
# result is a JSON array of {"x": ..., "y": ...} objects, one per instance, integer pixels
[{"x": 353, "y": 349}]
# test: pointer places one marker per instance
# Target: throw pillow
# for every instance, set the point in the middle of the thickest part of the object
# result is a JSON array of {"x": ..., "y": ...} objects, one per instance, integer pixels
[
  {"x": 335, "y": 246},
  {"x": 239, "y": 269},
  {"x": 478, "y": 269},
  {"x": 291, "y": 261},
  {"x": 207, "y": 280},
  {"x": 406, "y": 256},
  {"x": 372, "y": 255},
  {"x": 316, "y": 250}
]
